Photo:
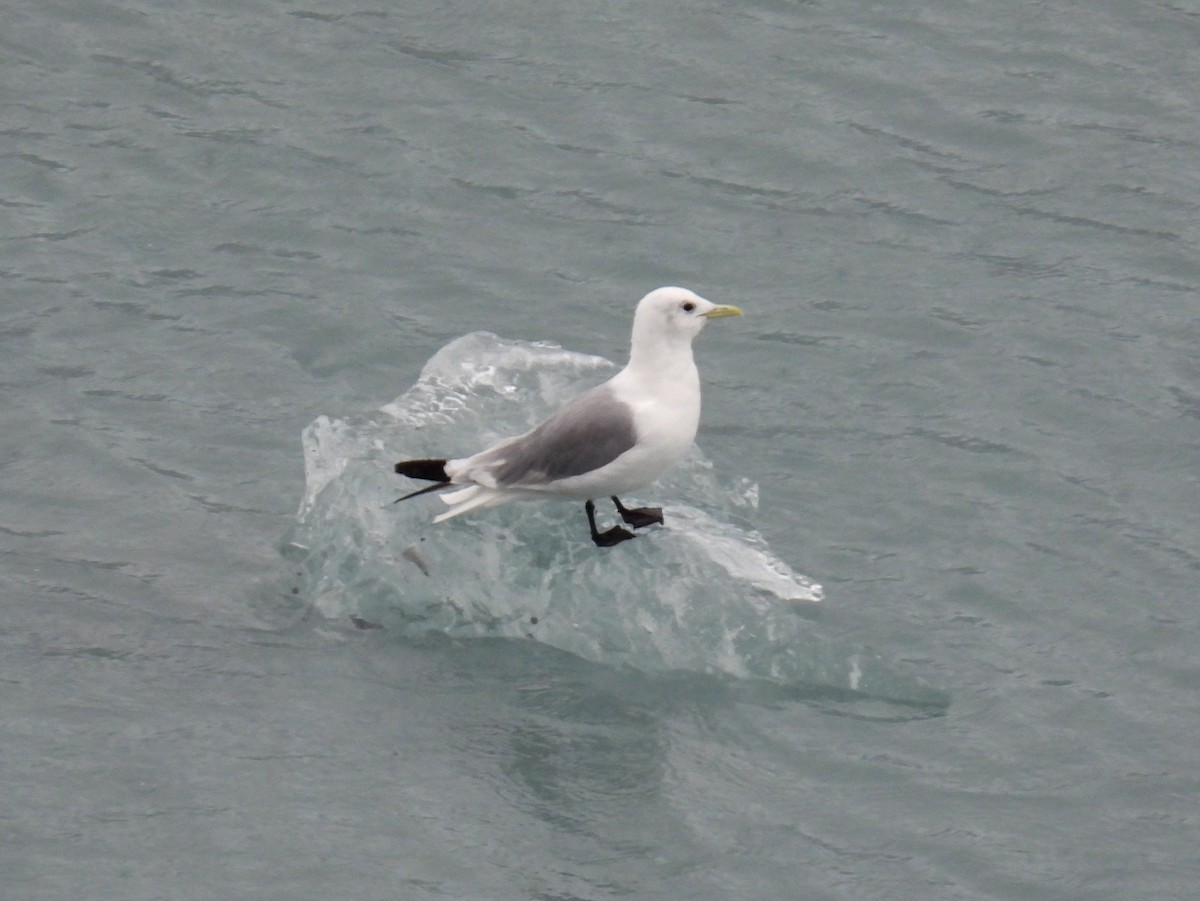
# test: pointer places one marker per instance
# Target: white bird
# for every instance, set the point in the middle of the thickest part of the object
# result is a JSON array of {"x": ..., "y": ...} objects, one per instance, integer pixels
[{"x": 615, "y": 438}]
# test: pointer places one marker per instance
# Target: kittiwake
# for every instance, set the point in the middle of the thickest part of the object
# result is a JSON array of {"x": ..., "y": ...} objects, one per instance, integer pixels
[{"x": 617, "y": 437}]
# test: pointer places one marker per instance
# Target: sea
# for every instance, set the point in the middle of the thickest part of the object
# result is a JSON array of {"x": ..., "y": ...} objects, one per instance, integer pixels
[{"x": 923, "y": 620}]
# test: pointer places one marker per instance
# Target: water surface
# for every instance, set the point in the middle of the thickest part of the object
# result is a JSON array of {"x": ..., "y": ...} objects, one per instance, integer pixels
[{"x": 965, "y": 238}]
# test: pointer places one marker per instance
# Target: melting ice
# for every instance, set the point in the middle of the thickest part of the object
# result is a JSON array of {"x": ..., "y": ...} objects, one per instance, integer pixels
[{"x": 703, "y": 594}]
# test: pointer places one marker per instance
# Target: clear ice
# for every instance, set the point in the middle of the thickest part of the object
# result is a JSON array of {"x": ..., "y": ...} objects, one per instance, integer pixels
[{"x": 703, "y": 594}]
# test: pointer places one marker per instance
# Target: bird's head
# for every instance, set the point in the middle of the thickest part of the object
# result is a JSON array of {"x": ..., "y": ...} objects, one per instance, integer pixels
[{"x": 674, "y": 313}]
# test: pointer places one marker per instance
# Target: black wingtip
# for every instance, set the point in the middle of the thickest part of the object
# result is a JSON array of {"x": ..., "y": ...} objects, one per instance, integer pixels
[
  {"x": 429, "y": 470},
  {"x": 428, "y": 488}
]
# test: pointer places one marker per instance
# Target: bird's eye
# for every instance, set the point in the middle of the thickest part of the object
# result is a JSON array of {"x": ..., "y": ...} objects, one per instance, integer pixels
[{"x": 688, "y": 307}]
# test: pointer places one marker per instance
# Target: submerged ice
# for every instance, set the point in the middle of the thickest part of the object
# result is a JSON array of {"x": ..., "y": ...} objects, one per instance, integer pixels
[{"x": 703, "y": 594}]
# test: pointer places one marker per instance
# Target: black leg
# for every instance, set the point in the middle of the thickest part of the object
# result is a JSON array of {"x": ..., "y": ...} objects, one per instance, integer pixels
[
  {"x": 639, "y": 517},
  {"x": 615, "y": 535}
]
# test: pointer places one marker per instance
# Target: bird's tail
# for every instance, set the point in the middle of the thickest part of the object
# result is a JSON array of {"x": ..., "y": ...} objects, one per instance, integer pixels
[{"x": 471, "y": 498}]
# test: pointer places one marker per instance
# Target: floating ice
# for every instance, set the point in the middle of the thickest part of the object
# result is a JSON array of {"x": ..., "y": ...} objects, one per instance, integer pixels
[{"x": 703, "y": 594}]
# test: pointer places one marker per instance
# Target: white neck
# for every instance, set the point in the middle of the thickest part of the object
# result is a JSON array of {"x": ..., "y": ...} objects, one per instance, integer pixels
[{"x": 662, "y": 356}]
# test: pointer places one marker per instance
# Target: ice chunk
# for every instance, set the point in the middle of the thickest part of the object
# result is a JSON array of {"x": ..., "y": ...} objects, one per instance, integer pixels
[{"x": 703, "y": 594}]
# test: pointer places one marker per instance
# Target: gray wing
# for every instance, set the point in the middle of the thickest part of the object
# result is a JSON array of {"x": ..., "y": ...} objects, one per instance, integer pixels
[{"x": 588, "y": 433}]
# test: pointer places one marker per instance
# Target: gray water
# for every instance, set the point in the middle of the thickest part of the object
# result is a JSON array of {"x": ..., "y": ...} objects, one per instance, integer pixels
[{"x": 966, "y": 387}]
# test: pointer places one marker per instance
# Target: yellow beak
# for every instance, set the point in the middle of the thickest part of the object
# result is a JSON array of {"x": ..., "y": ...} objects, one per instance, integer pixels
[{"x": 722, "y": 310}]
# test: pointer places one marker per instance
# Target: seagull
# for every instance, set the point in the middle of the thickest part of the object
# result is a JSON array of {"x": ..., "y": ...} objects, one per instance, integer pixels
[{"x": 618, "y": 437}]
